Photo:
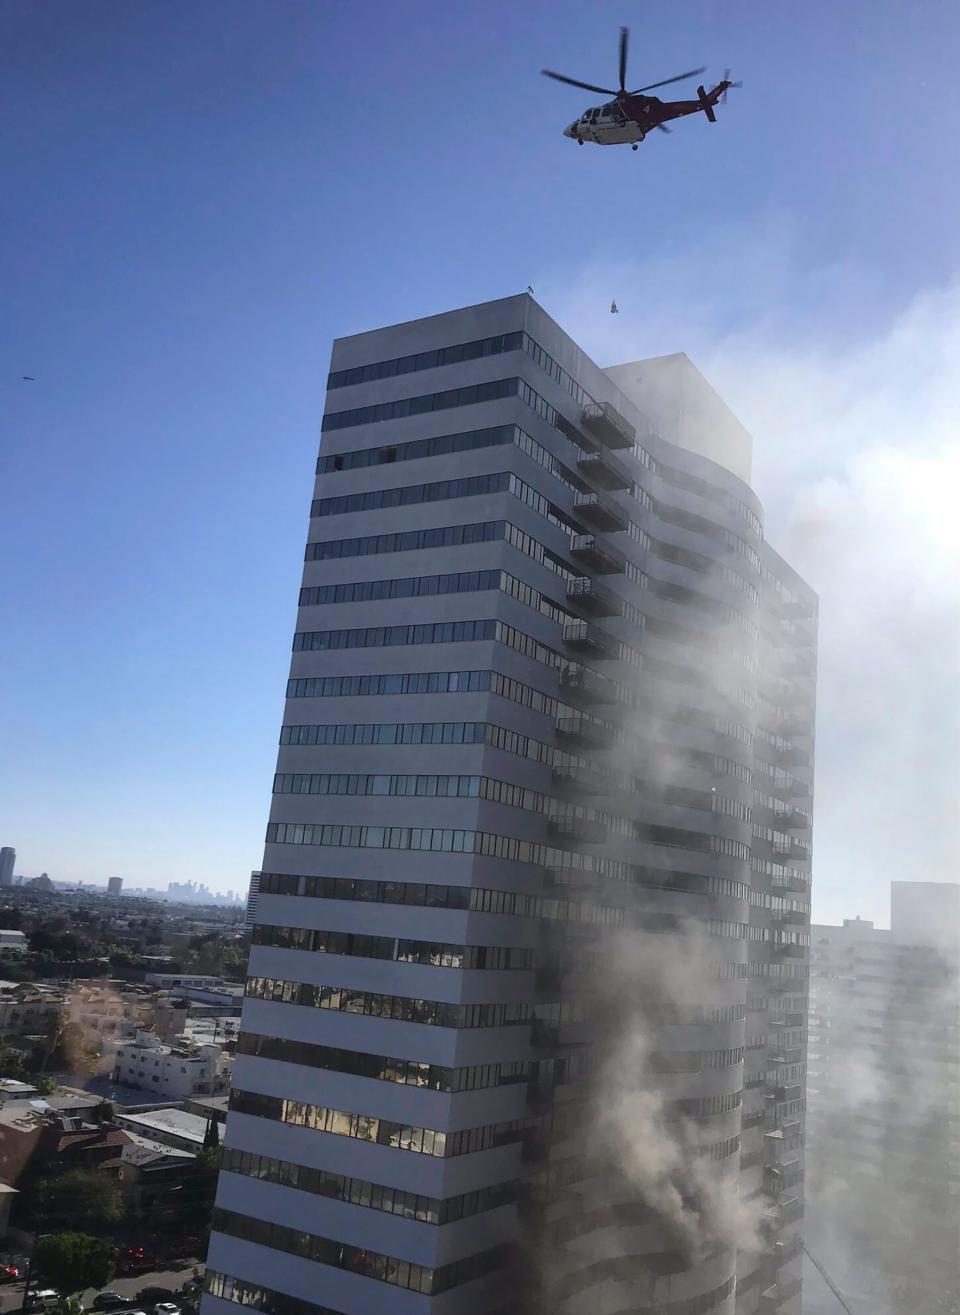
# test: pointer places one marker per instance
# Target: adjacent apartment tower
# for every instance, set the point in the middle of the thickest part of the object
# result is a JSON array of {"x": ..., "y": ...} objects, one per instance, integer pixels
[
  {"x": 8, "y": 859},
  {"x": 524, "y": 1030},
  {"x": 884, "y": 1132}
]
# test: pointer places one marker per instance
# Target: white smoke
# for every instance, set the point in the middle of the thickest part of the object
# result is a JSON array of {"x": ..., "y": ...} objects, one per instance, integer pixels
[{"x": 857, "y": 462}]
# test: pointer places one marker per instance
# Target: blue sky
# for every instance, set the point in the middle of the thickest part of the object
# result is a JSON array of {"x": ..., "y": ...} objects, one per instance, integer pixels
[{"x": 198, "y": 197}]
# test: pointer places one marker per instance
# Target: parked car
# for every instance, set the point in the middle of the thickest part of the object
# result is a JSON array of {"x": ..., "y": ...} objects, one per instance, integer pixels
[
  {"x": 8, "y": 1273},
  {"x": 150, "y": 1296},
  {"x": 111, "y": 1300},
  {"x": 44, "y": 1299},
  {"x": 166, "y": 1308}
]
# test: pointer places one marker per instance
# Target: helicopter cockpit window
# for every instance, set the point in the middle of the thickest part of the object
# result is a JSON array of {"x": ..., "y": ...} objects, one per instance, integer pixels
[{"x": 594, "y": 115}]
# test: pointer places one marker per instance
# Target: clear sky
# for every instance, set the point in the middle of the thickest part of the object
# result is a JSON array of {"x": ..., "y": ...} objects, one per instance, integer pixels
[{"x": 198, "y": 196}]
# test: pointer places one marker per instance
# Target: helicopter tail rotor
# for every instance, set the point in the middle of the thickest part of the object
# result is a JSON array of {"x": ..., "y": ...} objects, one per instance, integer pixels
[{"x": 729, "y": 84}]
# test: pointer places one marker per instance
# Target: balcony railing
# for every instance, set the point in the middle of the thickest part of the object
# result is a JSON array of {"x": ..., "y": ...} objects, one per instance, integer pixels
[
  {"x": 602, "y": 469},
  {"x": 584, "y": 636},
  {"x": 795, "y": 818},
  {"x": 576, "y": 830},
  {"x": 790, "y": 918},
  {"x": 593, "y": 598},
  {"x": 600, "y": 512},
  {"x": 593, "y": 552},
  {"x": 609, "y": 426},
  {"x": 586, "y": 734},
  {"x": 583, "y": 687},
  {"x": 574, "y": 781}
]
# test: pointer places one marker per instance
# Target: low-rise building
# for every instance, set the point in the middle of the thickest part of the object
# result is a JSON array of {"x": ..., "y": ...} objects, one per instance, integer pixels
[
  {"x": 12, "y": 941},
  {"x": 170, "y": 1072},
  {"x": 169, "y": 1127},
  {"x": 151, "y": 1173}
]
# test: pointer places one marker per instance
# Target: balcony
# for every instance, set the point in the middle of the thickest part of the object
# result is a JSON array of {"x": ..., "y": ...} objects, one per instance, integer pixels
[
  {"x": 772, "y": 1299},
  {"x": 571, "y": 830},
  {"x": 790, "y": 1211},
  {"x": 572, "y": 782},
  {"x": 791, "y": 951},
  {"x": 789, "y": 757},
  {"x": 796, "y": 883},
  {"x": 587, "y": 638},
  {"x": 795, "y": 1019},
  {"x": 794, "y": 818},
  {"x": 788, "y": 850},
  {"x": 593, "y": 598},
  {"x": 594, "y": 553},
  {"x": 790, "y": 918},
  {"x": 600, "y": 512},
  {"x": 604, "y": 470},
  {"x": 583, "y": 687},
  {"x": 609, "y": 426},
  {"x": 778, "y": 1093},
  {"x": 583, "y": 733}
]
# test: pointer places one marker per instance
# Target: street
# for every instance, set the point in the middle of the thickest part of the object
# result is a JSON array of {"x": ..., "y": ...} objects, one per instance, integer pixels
[{"x": 11, "y": 1296}]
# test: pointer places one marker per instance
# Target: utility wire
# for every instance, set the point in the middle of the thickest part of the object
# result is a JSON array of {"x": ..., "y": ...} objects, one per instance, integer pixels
[{"x": 826, "y": 1278}]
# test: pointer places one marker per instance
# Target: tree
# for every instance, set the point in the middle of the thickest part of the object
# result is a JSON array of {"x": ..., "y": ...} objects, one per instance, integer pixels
[
  {"x": 82, "y": 1197},
  {"x": 71, "y": 1262}
]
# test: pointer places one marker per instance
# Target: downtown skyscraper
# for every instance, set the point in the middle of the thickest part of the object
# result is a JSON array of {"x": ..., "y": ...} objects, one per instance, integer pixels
[{"x": 525, "y": 1017}]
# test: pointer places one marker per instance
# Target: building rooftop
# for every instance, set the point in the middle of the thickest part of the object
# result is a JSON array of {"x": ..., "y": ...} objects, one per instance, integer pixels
[{"x": 177, "y": 1122}]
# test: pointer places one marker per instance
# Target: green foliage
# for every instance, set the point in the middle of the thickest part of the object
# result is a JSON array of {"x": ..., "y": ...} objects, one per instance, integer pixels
[
  {"x": 84, "y": 1197},
  {"x": 45, "y": 1085},
  {"x": 11, "y": 1064},
  {"x": 71, "y": 1262}
]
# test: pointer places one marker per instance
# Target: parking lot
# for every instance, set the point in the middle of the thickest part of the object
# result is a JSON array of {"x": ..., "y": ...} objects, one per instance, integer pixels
[{"x": 11, "y": 1295}]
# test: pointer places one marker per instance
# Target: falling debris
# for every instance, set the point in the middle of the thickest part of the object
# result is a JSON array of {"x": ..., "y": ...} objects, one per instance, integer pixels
[
  {"x": 614, "y": 308},
  {"x": 529, "y": 289},
  {"x": 29, "y": 378}
]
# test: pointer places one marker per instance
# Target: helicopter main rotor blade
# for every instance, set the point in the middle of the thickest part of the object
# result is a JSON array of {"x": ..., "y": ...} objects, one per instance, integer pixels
[
  {"x": 624, "y": 39},
  {"x": 691, "y": 73},
  {"x": 587, "y": 86}
]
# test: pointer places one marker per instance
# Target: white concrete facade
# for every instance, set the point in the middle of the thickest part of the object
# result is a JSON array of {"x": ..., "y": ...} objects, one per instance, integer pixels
[{"x": 549, "y": 600}]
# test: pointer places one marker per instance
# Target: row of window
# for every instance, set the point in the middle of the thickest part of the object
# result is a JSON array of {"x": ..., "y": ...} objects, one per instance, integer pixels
[
  {"x": 407, "y": 682},
  {"x": 372, "y": 732},
  {"x": 398, "y": 1008},
  {"x": 445, "y": 786},
  {"x": 383, "y": 1132},
  {"x": 372, "y": 1196},
  {"x": 437, "y": 632},
  {"x": 371, "y": 1264},
  {"x": 450, "y": 840},
  {"x": 481, "y": 899},
  {"x": 469, "y": 395},
  {"x": 408, "y": 495},
  {"x": 696, "y": 1061},
  {"x": 396, "y": 949},
  {"x": 460, "y": 442},
  {"x": 417, "y": 586},
  {"x": 406, "y": 1072},
  {"x": 367, "y": 545},
  {"x": 443, "y": 444},
  {"x": 429, "y": 360},
  {"x": 256, "y": 1297},
  {"x": 458, "y": 682}
]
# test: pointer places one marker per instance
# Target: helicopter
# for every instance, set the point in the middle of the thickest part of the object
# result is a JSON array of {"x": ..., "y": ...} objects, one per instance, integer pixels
[{"x": 631, "y": 114}]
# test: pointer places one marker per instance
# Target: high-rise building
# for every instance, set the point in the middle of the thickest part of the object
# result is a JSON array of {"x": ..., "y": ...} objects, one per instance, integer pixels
[
  {"x": 8, "y": 859},
  {"x": 528, "y": 978},
  {"x": 114, "y": 885},
  {"x": 253, "y": 895},
  {"x": 884, "y": 1104}
]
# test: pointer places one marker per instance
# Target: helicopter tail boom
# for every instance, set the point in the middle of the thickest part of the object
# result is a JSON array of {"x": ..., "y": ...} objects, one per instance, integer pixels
[{"x": 706, "y": 104}]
